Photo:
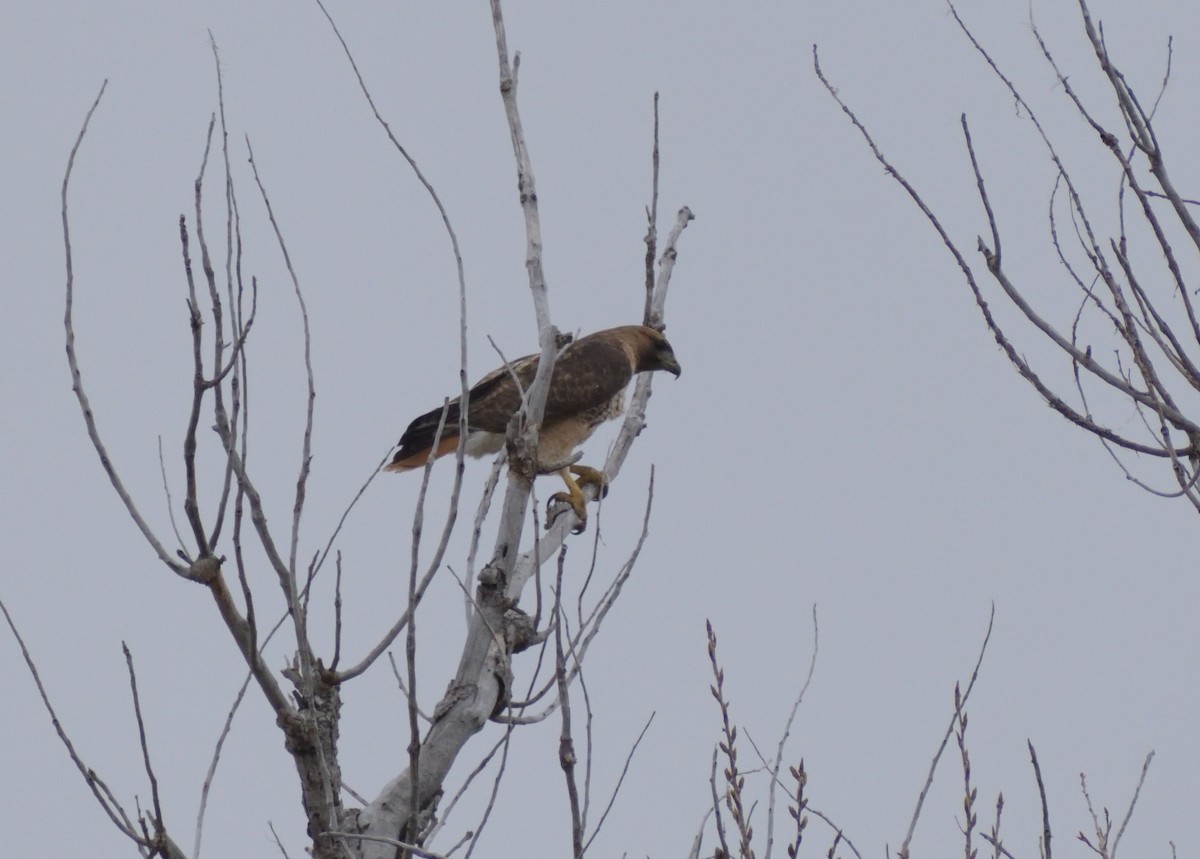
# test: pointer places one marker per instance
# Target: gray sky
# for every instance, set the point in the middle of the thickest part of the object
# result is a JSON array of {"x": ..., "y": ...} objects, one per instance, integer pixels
[{"x": 845, "y": 433}]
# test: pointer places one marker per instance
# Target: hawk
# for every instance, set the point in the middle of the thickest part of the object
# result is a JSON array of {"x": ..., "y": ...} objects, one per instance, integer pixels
[{"x": 587, "y": 388}]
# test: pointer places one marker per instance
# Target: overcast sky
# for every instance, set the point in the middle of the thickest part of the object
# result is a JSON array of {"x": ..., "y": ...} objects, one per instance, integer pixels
[{"x": 845, "y": 433}]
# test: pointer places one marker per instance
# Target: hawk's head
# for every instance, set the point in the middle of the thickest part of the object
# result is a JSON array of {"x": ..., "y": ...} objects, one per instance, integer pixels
[{"x": 655, "y": 353}]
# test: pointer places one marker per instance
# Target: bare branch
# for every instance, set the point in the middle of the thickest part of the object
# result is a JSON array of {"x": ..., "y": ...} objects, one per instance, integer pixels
[
  {"x": 337, "y": 613},
  {"x": 734, "y": 778},
  {"x": 288, "y": 573},
  {"x": 694, "y": 853},
  {"x": 1037, "y": 772},
  {"x": 278, "y": 843},
  {"x": 1133, "y": 802},
  {"x": 491, "y": 804},
  {"x": 392, "y": 842},
  {"x": 590, "y": 626},
  {"x": 620, "y": 780},
  {"x": 1018, "y": 362},
  {"x": 912, "y": 826},
  {"x": 216, "y": 757},
  {"x": 77, "y": 377},
  {"x": 191, "y": 504},
  {"x": 566, "y": 745},
  {"x": 160, "y": 826},
  {"x": 716, "y": 807},
  {"x": 1000, "y": 849},
  {"x": 99, "y": 789},
  {"x": 162, "y": 468},
  {"x": 797, "y": 811},
  {"x": 969, "y": 793},
  {"x": 464, "y": 394},
  {"x": 787, "y": 730},
  {"x": 425, "y": 183},
  {"x": 666, "y": 266},
  {"x": 390, "y": 636},
  {"x": 651, "y": 239},
  {"x": 525, "y": 185},
  {"x": 500, "y": 746}
]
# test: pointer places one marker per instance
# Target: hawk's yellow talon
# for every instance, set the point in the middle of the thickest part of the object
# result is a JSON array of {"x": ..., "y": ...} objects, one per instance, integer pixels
[
  {"x": 574, "y": 497},
  {"x": 589, "y": 476}
]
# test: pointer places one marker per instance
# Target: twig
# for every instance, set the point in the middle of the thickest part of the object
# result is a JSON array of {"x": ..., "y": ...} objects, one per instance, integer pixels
[
  {"x": 694, "y": 853},
  {"x": 410, "y": 638},
  {"x": 837, "y": 839},
  {"x": 589, "y": 758},
  {"x": 425, "y": 183},
  {"x": 216, "y": 757},
  {"x": 393, "y": 842},
  {"x": 346, "y": 513},
  {"x": 464, "y": 395},
  {"x": 666, "y": 265},
  {"x": 912, "y": 825},
  {"x": 1015, "y": 358},
  {"x": 417, "y": 591},
  {"x": 162, "y": 468},
  {"x": 1129, "y": 811},
  {"x": 651, "y": 239},
  {"x": 337, "y": 613},
  {"x": 1000, "y": 849},
  {"x": 525, "y": 188},
  {"x": 1100, "y": 848},
  {"x": 716, "y": 806},
  {"x": 787, "y": 730},
  {"x": 1037, "y": 772},
  {"x": 191, "y": 502},
  {"x": 404, "y": 689},
  {"x": 77, "y": 378},
  {"x": 240, "y": 325},
  {"x": 388, "y": 637},
  {"x": 734, "y": 780},
  {"x": 278, "y": 843},
  {"x": 969, "y": 793},
  {"x": 994, "y": 837},
  {"x": 797, "y": 811},
  {"x": 299, "y": 616},
  {"x": 485, "y": 502},
  {"x": 462, "y": 789},
  {"x": 491, "y": 804},
  {"x": 620, "y": 780},
  {"x": 591, "y": 625},
  {"x": 566, "y": 745},
  {"x": 104, "y": 796},
  {"x": 160, "y": 826}
]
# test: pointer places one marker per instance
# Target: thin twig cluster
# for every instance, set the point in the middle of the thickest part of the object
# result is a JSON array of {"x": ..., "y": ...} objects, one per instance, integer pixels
[
  {"x": 1153, "y": 364},
  {"x": 735, "y": 781}
]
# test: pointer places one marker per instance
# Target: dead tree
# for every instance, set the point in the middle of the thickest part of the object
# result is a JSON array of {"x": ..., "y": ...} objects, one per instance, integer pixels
[{"x": 218, "y": 541}]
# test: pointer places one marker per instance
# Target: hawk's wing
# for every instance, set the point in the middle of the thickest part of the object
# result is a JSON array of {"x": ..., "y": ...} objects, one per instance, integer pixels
[{"x": 588, "y": 377}]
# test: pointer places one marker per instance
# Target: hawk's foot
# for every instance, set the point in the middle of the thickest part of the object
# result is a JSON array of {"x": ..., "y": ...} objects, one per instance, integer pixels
[
  {"x": 588, "y": 476},
  {"x": 573, "y": 498}
]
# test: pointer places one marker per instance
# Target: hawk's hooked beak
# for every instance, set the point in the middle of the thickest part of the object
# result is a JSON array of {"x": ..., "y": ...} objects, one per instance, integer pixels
[{"x": 672, "y": 367}]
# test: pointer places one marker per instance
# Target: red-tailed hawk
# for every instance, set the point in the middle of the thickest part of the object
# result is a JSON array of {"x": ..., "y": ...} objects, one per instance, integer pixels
[{"x": 586, "y": 389}]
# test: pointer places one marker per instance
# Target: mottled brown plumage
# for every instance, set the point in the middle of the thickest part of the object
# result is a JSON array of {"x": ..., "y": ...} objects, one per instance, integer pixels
[{"x": 586, "y": 389}]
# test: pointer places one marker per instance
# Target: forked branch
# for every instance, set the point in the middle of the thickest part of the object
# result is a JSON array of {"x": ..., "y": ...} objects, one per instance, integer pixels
[{"x": 1154, "y": 366}]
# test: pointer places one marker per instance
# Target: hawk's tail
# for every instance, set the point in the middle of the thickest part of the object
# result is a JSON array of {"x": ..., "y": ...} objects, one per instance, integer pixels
[{"x": 417, "y": 441}]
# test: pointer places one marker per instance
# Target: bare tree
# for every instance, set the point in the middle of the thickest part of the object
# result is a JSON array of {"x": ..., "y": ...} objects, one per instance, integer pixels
[{"x": 220, "y": 539}]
